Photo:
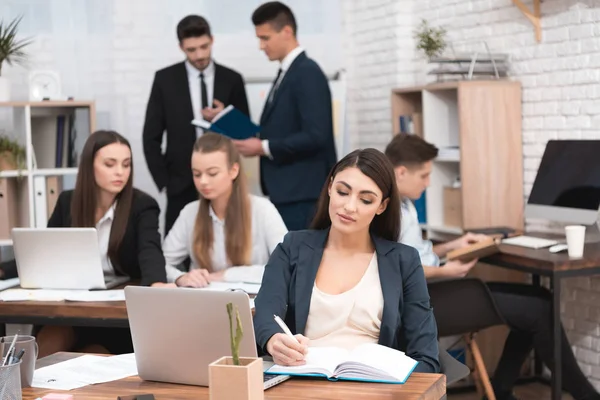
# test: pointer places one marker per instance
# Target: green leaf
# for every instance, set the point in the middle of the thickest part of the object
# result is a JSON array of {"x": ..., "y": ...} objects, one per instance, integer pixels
[
  {"x": 11, "y": 48},
  {"x": 430, "y": 39}
]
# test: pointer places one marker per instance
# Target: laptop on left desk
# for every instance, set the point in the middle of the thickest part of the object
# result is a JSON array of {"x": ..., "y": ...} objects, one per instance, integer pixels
[{"x": 60, "y": 258}]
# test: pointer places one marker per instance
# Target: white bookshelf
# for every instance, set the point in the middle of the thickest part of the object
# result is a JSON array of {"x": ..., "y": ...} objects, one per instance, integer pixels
[
  {"x": 13, "y": 174},
  {"x": 35, "y": 127},
  {"x": 54, "y": 172},
  {"x": 39, "y": 172}
]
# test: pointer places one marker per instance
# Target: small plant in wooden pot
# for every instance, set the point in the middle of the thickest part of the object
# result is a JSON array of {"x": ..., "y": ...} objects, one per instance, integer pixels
[
  {"x": 236, "y": 377},
  {"x": 12, "y": 154}
]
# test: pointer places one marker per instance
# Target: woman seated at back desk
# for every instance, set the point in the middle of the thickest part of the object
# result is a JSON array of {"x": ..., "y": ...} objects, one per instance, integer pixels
[
  {"x": 228, "y": 233},
  {"x": 129, "y": 241},
  {"x": 347, "y": 281}
]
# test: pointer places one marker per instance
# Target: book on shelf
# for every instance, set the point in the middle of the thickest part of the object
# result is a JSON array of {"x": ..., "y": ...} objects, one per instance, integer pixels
[
  {"x": 450, "y": 152},
  {"x": 369, "y": 362},
  {"x": 53, "y": 189},
  {"x": 8, "y": 207},
  {"x": 411, "y": 123},
  {"x": 54, "y": 143},
  {"x": 500, "y": 232},
  {"x": 230, "y": 122}
]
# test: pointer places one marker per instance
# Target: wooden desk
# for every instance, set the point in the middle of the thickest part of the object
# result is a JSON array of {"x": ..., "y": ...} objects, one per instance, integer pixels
[
  {"x": 557, "y": 266},
  {"x": 418, "y": 387},
  {"x": 108, "y": 314},
  {"x": 97, "y": 314}
]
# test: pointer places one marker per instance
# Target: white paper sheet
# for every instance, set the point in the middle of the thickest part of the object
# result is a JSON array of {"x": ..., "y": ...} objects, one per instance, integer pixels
[
  {"x": 61, "y": 295},
  {"x": 8, "y": 283},
  {"x": 96, "y": 295},
  {"x": 65, "y": 375},
  {"x": 85, "y": 370},
  {"x": 108, "y": 369},
  {"x": 250, "y": 288}
]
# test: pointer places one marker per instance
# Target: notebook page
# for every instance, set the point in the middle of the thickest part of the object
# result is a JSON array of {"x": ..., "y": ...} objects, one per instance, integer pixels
[
  {"x": 380, "y": 361},
  {"x": 319, "y": 360}
]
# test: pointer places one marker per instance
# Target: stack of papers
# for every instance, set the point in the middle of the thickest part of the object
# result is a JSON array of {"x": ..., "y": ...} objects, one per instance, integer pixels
[
  {"x": 83, "y": 371},
  {"x": 250, "y": 288},
  {"x": 8, "y": 283},
  {"x": 61, "y": 295}
]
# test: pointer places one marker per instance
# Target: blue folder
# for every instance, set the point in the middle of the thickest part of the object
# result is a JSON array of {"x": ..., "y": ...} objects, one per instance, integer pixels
[{"x": 230, "y": 122}]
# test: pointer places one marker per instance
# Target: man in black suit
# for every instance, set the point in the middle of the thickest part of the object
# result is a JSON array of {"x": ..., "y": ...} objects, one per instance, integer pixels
[
  {"x": 197, "y": 88},
  {"x": 296, "y": 142}
]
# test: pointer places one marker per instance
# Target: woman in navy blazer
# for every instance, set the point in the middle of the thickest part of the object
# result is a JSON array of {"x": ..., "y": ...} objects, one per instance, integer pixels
[{"x": 354, "y": 236}]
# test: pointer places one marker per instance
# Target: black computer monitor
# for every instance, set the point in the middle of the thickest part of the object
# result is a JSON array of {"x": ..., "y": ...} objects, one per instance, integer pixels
[{"x": 567, "y": 184}]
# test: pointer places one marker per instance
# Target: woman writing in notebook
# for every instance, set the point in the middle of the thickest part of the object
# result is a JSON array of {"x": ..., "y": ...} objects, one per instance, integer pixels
[
  {"x": 127, "y": 223},
  {"x": 347, "y": 281},
  {"x": 228, "y": 233}
]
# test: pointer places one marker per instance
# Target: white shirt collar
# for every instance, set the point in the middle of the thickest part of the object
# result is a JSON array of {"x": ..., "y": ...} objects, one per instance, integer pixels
[
  {"x": 289, "y": 59},
  {"x": 213, "y": 215},
  {"x": 109, "y": 215},
  {"x": 194, "y": 72}
]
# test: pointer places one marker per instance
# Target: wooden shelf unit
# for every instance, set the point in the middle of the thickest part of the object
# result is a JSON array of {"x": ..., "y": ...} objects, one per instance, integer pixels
[
  {"x": 34, "y": 126},
  {"x": 477, "y": 127},
  {"x": 482, "y": 121}
]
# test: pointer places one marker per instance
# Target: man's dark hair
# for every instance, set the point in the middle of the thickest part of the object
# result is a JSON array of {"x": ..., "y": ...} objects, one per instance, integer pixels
[
  {"x": 192, "y": 26},
  {"x": 410, "y": 151},
  {"x": 275, "y": 13}
]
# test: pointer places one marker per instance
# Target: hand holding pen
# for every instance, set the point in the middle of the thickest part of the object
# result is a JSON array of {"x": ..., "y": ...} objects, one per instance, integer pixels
[{"x": 287, "y": 349}]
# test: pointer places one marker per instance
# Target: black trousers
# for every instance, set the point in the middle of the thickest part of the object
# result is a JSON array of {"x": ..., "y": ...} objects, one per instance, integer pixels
[
  {"x": 297, "y": 216},
  {"x": 175, "y": 204},
  {"x": 528, "y": 312}
]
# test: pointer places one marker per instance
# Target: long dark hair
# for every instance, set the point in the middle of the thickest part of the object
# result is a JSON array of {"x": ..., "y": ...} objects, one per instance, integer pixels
[
  {"x": 376, "y": 166},
  {"x": 85, "y": 201},
  {"x": 238, "y": 217}
]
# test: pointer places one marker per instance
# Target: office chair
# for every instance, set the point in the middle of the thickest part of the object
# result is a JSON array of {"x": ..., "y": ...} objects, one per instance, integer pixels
[
  {"x": 452, "y": 368},
  {"x": 464, "y": 307}
]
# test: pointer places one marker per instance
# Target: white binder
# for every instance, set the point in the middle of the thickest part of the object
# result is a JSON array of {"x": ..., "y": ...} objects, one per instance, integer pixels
[{"x": 40, "y": 202}]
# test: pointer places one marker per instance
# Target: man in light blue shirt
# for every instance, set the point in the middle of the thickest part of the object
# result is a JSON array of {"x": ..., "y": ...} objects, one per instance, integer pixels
[
  {"x": 412, "y": 177},
  {"x": 525, "y": 308}
]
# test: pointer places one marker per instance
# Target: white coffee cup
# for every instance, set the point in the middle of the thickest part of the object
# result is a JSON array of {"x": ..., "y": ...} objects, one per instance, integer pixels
[{"x": 575, "y": 240}]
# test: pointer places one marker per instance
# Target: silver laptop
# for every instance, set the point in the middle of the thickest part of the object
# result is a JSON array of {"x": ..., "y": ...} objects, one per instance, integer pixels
[
  {"x": 60, "y": 258},
  {"x": 178, "y": 332}
]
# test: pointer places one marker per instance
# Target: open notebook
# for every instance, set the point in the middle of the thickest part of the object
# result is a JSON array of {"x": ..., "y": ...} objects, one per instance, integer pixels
[{"x": 368, "y": 362}]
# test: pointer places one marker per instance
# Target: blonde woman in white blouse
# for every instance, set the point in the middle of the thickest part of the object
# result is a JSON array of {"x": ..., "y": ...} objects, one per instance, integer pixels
[{"x": 228, "y": 233}]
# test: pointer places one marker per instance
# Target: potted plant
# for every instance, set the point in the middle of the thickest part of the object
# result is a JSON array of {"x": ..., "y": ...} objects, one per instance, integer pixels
[
  {"x": 236, "y": 377},
  {"x": 430, "y": 40},
  {"x": 11, "y": 51},
  {"x": 12, "y": 154}
]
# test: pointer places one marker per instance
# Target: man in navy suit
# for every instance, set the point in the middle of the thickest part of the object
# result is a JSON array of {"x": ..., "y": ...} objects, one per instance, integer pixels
[{"x": 295, "y": 144}]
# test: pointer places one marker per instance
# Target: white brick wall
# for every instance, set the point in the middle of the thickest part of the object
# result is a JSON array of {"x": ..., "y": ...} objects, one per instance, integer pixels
[
  {"x": 561, "y": 94},
  {"x": 379, "y": 55},
  {"x": 108, "y": 50}
]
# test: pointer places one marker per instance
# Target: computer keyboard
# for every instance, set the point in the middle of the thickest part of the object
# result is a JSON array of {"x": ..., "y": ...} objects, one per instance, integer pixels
[{"x": 530, "y": 242}]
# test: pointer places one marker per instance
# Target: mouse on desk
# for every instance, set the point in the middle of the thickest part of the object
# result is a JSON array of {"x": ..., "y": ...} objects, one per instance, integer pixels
[{"x": 557, "y": 248}]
